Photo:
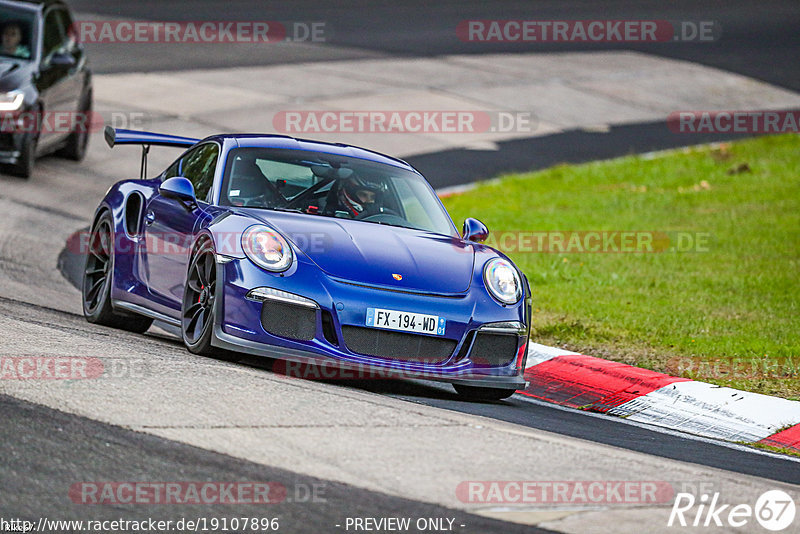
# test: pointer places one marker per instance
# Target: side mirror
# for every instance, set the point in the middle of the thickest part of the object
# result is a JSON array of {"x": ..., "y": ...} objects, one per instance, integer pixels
[
  {"x": 62, "y": 59},
  {"x": 178, "y": 188},
  {"x": 474, "y": 230}
]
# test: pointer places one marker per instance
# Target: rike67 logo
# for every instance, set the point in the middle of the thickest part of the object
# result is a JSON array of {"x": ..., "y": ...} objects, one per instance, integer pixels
[{"x": 774, "y": 510}]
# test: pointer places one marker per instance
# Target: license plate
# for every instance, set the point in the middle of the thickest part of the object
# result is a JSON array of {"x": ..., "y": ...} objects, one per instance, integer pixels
[{"x": 405, "y": 321}]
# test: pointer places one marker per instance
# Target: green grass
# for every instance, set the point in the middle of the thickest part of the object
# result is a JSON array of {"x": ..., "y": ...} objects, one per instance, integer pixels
[
  {"x": 770, "y": 448},
  {"x": 726, "y": 314}
]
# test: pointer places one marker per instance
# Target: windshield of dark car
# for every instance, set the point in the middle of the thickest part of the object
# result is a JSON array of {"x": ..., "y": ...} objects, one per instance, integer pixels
[
  {"x": 332, "y": 186},
  {"x": 16, "y": 33}
]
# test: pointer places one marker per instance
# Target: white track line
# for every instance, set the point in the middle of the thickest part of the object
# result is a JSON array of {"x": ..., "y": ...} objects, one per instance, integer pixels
[
  {"x": 713, "y": 411},
  {"x": 541, "y": 353},
  {"x": 661, "y": 429},
  {"x": 698, "y": 408}
]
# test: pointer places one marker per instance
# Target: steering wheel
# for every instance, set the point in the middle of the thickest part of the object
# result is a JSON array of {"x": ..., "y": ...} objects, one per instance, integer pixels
[
  {"x": 389, "y": 217},
  {"x": 385, "y": 211}
]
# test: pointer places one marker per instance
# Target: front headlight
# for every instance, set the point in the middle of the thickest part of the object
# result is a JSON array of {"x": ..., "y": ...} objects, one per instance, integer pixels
[
  {"x": 267, "y": 248},
  {"x": 503, "y": 281},
  {"x": 11, "y": 101}
]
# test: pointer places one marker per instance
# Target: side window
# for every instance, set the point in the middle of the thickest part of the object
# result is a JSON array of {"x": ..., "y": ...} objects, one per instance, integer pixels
[
  {"x": 173, "y": 170},
  {"x": 198, "y": 167},
  {"x": 53, "y": 38}
]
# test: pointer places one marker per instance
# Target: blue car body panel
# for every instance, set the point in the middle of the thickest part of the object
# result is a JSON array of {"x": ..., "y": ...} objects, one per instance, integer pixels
[
  {"x": 346, "y": 271},
  {"x": 133, "y": 137}
]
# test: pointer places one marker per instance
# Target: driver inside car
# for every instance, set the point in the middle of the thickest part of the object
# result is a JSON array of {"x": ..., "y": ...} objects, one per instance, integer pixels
[
  {"x": 360, "y": 198},
  {"x": 12, "y": 41}
]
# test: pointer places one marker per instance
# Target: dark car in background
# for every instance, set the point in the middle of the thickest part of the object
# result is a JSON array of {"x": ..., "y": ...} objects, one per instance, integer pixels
[{"x": 45, "y": 85}]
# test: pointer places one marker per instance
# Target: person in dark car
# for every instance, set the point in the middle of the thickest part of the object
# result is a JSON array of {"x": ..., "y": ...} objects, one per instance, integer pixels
[
  {"x": 44, "y": 79},
  {"x": 12, "y": 41}
]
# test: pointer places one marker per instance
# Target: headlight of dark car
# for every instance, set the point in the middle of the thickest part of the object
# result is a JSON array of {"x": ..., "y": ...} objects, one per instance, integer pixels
[{"x": 11, "y": 101}]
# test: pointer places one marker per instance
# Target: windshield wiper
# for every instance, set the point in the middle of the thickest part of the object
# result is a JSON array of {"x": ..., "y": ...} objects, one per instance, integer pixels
[
  {"x": 279, "y": 208},
  {"x": 390, "y": 224},
  {"x": 282, "y": 208}
]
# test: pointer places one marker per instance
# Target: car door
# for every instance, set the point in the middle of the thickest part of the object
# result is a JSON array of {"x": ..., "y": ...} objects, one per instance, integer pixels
[
  {"x": 76, "y": 75},
  {"x": 169, "y": 226},
  {"x": 56, "y": 82}
]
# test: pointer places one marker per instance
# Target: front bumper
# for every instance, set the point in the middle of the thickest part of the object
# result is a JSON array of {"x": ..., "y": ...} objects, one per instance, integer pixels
[
  {"x": 340, "y": 306},
  {"x": 10, "y": 148},
  {"x": 11, "y": 139}
]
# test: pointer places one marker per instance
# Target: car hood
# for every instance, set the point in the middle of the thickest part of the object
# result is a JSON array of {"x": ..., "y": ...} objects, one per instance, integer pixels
[{"x": 376, "y": 254}]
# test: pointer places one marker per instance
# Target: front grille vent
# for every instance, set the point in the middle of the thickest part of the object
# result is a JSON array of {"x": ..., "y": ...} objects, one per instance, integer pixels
[
  {"x": 289, "y": 320},
  {"x": 398, "y": 345},
  {"x": 494, "y": 349}
]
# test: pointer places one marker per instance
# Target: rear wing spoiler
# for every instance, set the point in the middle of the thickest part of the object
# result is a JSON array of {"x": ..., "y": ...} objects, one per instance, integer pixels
[
  {"x": 116, "y": 137},
  {"x": 133, "y": 137}
]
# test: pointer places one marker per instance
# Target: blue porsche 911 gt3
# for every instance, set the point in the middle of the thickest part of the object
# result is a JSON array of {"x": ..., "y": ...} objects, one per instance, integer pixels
[{"x": 305, "y": 251}]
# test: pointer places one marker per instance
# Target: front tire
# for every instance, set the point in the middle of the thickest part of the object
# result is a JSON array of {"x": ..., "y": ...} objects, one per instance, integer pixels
[
  {"x": 199, "y": 304},
  {"x": 475, "y": 393},
  {"x": 27, "y": 156},
  {"x": 96, "y": 287},
  {"x": 199, "y": 296},
  {"x": 75, "y": 148}
]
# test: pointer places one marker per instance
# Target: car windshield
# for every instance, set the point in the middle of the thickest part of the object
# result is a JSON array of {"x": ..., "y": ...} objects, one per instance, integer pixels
[
  {"x": 16, "y": 29},
  {"x": 329, "y": 185}
]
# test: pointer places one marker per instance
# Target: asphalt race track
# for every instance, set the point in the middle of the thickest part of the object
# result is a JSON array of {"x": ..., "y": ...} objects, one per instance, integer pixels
[
  {"x": 538, "y": 415},
  {"x": 374, "y": 448},
  {"x": 58, "y": 445},
  {"x": 761, "y": 43}
]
